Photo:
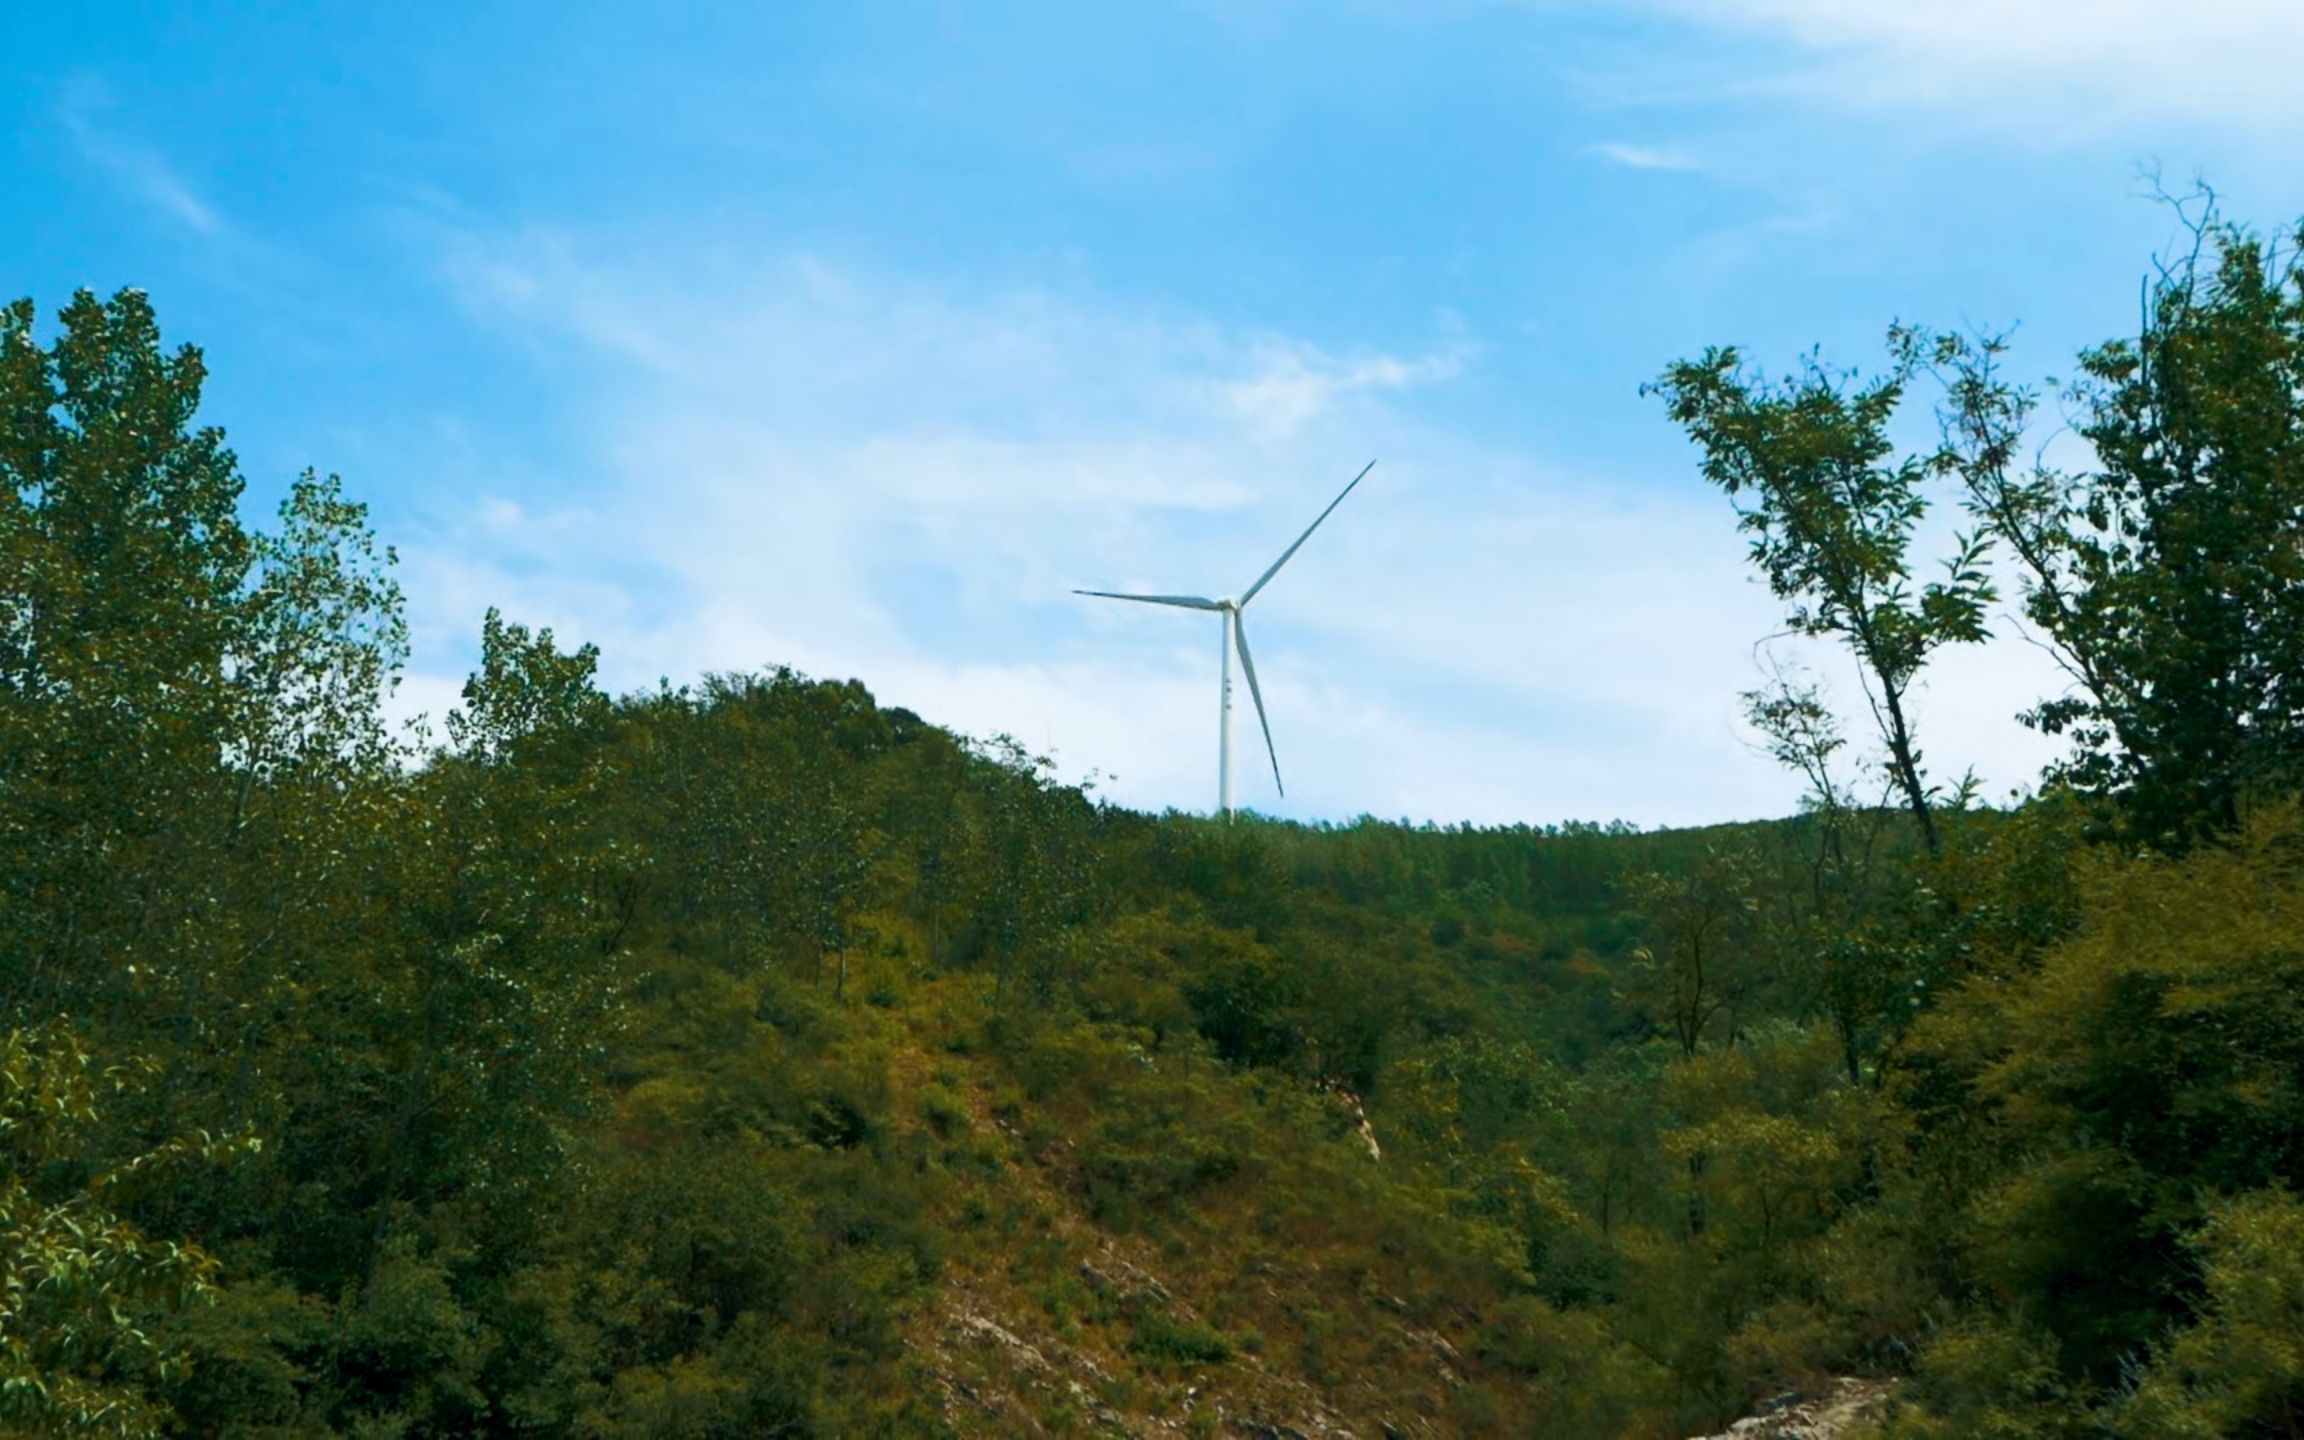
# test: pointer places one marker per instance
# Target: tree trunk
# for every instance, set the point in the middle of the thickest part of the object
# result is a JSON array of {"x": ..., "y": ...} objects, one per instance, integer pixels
[{"x": 1908, "y": 769}]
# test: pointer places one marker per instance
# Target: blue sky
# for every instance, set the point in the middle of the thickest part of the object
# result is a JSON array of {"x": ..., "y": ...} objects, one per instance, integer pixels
[{"x": 853, "y": 337}]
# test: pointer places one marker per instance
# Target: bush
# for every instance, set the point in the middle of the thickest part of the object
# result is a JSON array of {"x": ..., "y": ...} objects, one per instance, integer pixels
[{"x": 1165, "y": 1340}]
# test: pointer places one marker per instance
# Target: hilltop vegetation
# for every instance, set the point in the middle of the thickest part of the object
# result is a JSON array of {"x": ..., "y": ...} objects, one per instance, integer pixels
[{"x": 749, "y": 1058}]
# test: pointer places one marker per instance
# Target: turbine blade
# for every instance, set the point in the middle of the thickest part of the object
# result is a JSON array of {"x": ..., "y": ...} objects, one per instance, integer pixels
[
  {"x": 1248, "y": 668},
  {"x": 1189, "y": 602},
  {"x": 1264, "y": 578}
]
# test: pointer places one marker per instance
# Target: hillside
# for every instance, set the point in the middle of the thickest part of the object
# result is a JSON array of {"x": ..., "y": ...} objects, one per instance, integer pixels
[
  {"x": 748, "y": 1058},
  {"x": 764, "y": 1061}
]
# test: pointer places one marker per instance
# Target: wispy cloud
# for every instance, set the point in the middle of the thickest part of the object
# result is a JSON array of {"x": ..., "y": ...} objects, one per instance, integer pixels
[
  {"x": 1295, "y": 383},
  {"x": 137, "y": 167},
  {"x": 800, "y": 463},
  {"x": 1734, "y": 246},
  {"x": 2073, "y": 64},
  {"x": 1644, "y": 157}
]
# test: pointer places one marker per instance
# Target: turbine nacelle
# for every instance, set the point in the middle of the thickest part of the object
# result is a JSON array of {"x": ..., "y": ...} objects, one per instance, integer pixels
[{"x": 1236, "y": 633}]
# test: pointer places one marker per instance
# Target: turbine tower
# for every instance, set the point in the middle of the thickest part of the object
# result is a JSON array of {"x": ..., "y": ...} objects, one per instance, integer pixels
[{"x": 1235, "y": 630}]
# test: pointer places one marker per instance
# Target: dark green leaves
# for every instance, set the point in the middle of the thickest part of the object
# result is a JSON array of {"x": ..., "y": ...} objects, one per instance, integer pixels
[
  {"x": 1809, "y": 464},
  {"x": 526, "y": 695},
  {"x": 2168, "y": 574}
]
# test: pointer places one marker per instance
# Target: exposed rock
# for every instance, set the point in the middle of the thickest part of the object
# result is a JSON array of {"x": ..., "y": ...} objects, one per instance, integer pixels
[
  {"x": 1793, "y": 1416},
  {"x": 1032, "y": 1366},
  {"x": 1451, "y": 1367},
  {"x": 1116, "y": 1279},
  {"x": 1321, "y": 1429},
  {"x": 1354, "y": 1111}
]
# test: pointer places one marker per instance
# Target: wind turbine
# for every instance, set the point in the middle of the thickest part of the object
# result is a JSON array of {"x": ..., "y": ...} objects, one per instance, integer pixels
[{"x": 1236, "y": 632}]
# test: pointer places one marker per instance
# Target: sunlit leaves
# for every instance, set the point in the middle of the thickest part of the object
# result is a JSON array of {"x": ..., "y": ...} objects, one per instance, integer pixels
[
  {"x": 1808, "y": 461},
  {"x": 79, "y": 1285}
]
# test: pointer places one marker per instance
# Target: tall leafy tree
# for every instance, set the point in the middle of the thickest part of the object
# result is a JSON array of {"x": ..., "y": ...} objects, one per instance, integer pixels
[
  {"x": 527, "y": 697},
  {"x": 2168, "y": 574},
  {"x": 1694, "y": 965},
  {"x": 167, "y": 676},
  {"x": 319, "y": 643},
  {"x": 124, "y": 570},
  {"x": 1820, "y": 911},
  {"x": 1831, "y": 508}
]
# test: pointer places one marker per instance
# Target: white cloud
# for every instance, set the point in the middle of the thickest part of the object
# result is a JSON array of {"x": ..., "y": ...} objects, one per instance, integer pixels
[
  {"x": 2072, "y": 64},
  {"x": 800, "y": 465},
  {"x": 1644, "y": 157},
  {"x": 1296, "y": 383},
  {"x": 136, "y": 167}
]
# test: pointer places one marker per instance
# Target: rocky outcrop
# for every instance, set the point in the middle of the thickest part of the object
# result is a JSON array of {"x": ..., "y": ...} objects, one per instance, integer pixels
[
  {"x": 1118, "y": 1280},
  {"x": 1354, "y": 1112},
  {"x": 1794, "y": 1416},
  {"x": 1031, "y": 1377},
  {"x": 997, "y": 1379}
]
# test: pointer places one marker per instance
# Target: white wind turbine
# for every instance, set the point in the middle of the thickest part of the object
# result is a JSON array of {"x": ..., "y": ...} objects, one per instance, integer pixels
[{"x": 1235, "y": 631}]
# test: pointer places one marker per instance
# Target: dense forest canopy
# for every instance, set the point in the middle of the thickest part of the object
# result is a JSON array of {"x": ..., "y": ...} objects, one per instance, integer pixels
[{"x": 749, "y": 1058}]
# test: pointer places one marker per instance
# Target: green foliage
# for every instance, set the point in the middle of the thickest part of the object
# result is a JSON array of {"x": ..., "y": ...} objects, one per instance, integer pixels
[
  {"x": 2240, "y": 1369},
  {"x": 1831, "y": 519},
  {"x": 2148, "y": 1063},
  {"x": 323, "y": 644},
  {"x": 2078, "y": 1059},
  {"x": 751, "y": 1059},
  {"x": 1990, "y": 1378},
  {"x": 2167, "y": 575},
  {"x": 80, "y": 1286},
  {"x": 125, "y": 566},
  {"x": 1693, "y": 970},
  {"x": 1165, "y": 1340},
  {"x": 527, "y": 696}
]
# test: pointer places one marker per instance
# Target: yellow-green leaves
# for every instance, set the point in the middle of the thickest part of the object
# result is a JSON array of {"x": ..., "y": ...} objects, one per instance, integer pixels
[
  {"x": 79, "y": 1285},
  {"x": 2240, "y": 1369}
]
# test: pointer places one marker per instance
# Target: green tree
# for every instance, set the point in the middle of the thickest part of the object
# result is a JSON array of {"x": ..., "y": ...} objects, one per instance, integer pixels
[
  {"x": 318, "y": 647},
  {"x": 1039, "y": 857},
  {"x": 1831, "y": 516},
  {"x": 1696, "y": 962},
  {"x": 80, "y": 1284},
  {"x": 2141, "y": 1066},
  {"x": 1820, "y": 916},
  {"x": 124, "y": 571},
  {"x": 527, "y": 697},
  {"x": 2240, "y": 1369},
  {"x": 144, "y": 633},
  {"x": 2168, "y": 576}
]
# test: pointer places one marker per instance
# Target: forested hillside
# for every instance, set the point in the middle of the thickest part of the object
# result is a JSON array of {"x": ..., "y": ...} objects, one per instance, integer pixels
[{"x": 747, "y": 1058}]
